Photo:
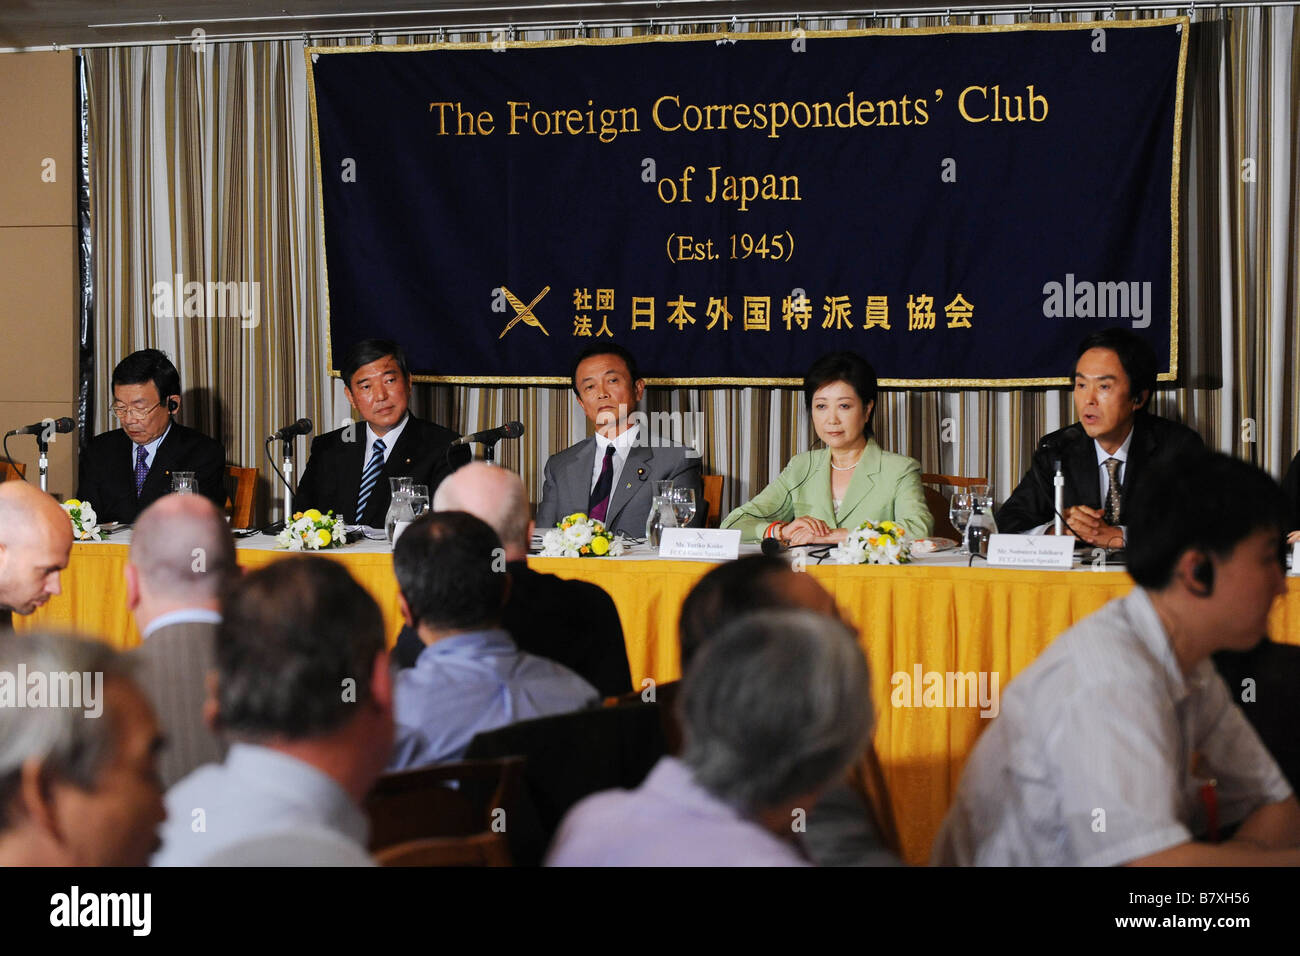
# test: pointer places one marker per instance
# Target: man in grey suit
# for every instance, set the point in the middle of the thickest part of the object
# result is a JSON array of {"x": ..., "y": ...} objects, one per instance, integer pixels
[
  {"x": 182, "y": 557},
  {"x": 611, "y": 475}
]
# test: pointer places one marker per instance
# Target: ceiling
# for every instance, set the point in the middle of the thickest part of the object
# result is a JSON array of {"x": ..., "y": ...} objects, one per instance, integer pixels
[{"x": 42, "y": 24}]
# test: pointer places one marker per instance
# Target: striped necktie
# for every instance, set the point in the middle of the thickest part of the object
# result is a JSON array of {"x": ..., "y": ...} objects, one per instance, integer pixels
[
  {"x": 141, "y": 468},
  {"x": 369, "y": 477}
]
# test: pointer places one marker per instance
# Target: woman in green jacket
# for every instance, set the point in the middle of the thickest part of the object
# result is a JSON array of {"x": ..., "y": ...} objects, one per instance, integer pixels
[{"x": 824, "y": 493}]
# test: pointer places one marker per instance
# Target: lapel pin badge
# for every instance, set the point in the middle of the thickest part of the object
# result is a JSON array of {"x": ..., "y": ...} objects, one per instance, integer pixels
[{"x": 640, "y": 473}]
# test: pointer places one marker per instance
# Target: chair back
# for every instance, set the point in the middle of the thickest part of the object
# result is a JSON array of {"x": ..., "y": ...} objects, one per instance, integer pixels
[
  {"x": 480, "y": 849},
  {"x": 937, "y": 501},
  {"x": 15, "y": 472},
  {"x": 713, "y": 495},
  {"x": 240, "y": 503},
  {"x": 423, "y": 803}
]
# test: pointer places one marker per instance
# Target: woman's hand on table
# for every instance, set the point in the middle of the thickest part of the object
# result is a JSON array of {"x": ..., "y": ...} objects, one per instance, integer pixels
[{"x": 810, "y": 530}]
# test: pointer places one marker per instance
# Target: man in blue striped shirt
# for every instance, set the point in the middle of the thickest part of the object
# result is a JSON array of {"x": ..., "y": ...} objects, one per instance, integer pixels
[{"x": 471, "y": 676}]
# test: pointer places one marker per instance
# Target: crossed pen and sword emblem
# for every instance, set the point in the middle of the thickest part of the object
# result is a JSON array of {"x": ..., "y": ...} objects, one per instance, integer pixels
[{"x": 523, "y": 313}]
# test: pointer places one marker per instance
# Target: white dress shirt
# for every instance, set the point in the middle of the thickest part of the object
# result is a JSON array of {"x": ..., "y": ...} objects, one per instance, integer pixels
[
  {"x": 622, "y": 445},
  {"x": 150, "y": 449},
  {"x": 1090, "y": 761},
  {"x": 186, "y": 615}
]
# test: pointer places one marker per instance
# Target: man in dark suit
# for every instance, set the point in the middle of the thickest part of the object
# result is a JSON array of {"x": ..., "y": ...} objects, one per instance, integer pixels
[
  {"x": 349, "y": 468},
  {"x": 126, "y": 470},
  {"x": 182, "y": 557},
  {"x": 573, "y": 623},
  {"x": 611, "y": 476},
  {"x": 1105, "y": 454}
]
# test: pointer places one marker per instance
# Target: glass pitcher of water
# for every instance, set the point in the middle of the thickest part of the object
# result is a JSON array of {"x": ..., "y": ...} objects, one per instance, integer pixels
[
  {"x": 662, "y": 514},
  {"x": 401, "y": 510}
]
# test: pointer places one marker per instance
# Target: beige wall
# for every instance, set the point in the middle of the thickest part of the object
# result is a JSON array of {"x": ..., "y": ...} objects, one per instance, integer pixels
[{"x": 38, "y": 254}]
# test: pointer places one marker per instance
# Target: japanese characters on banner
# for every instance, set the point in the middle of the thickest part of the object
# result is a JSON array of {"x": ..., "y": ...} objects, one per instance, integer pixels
[{"x": 959, "y": 205}]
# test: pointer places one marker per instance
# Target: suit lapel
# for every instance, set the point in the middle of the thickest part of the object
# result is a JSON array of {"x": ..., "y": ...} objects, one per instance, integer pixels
[
  {"x": 1084, "y": 473},
  {"x": 159, "y": 480},
  {"x": 1140, "y": 451},
  {"x": 574, "y": 481},
  {"x": 633, "y": 480},
  {"x": 861, "y": 485}
]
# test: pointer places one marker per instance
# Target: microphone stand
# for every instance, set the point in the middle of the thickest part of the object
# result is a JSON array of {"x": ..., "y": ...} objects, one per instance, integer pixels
[
  {"x": 489, "y": 451},
  {"x": 1058, "y": 484},
  {"x": 285, "y": 472},
  {"x": 44, "y": 462}
]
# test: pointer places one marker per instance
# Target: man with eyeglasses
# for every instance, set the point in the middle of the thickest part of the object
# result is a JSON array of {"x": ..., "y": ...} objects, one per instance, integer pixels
[{"x": 126, "y": 470}]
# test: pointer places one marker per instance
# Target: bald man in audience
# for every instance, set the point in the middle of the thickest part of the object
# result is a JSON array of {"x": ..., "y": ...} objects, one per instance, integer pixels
[
  {"x": 574, "y": 623},
  {"x": 78, "y": 785},
  {"x": 35, "y": 541},
  {"x": 182, "y": 558}
]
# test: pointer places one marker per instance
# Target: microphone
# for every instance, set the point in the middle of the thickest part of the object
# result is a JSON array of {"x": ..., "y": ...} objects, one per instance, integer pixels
[
  {"x": 492, "y": 435},
  {"x": 301, "y": 427},
  {"x": 61, "y": 425},
  {"x": 771, "y": 547}
]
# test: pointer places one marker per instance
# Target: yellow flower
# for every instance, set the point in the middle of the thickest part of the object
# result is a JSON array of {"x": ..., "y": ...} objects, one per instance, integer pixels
[
  {"x": 887, "y": 526},
  {"x": 325, "y": 538},
  {"x": 72, "y": 503},
  {"x": 574, "y": 518},
  {"x": 599, "y": 546},
  {"x": 311, "y": 514},
  {"x": 297, "y": 515}
]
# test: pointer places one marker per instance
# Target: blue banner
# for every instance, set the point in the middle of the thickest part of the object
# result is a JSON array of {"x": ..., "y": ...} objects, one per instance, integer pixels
[{"x": 961, "y": 206}]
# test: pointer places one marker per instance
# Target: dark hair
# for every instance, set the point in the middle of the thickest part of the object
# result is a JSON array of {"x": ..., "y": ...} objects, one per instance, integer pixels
[
  {"x": 371, "y": 350},
  {"x": 1199, "y": 501},
  {"x": 451, "y": 569},
  {"x": 847, "y": 367},
  {"x": 291, "y": 634},
  {"x": 149, "y": 365},
  {"x": 608, "y": 348},
  {"x": 1135, "y": 355},
  {"x": 724, "y": 594}
]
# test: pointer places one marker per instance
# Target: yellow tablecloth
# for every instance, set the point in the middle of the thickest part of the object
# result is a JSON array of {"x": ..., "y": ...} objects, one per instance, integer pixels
[{"x": 935, "y": 618}]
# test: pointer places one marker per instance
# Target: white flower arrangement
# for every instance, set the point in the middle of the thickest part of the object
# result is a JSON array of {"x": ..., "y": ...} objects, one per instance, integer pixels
[
  {"x": 84, "y": 520},
  {"x": 885, "y": 543},
  {"x": 578, "y": 536},
  {"x": 312, "y": 531}
]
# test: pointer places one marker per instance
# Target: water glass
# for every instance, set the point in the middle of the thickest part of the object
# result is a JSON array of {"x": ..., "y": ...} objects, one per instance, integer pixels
[
  {"x": 683, "y": 500},
  {"x": 959, "y": 513},
  {"x": 419, "y": 499},
  {"x": 184, "y": 483}
]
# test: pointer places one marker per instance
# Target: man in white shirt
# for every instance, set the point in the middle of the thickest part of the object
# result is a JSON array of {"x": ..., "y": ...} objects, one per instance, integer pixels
[
  {"x": 611, "y": 475},
  {"x": 1105, "y": 454},
  {"x": 182, "y": 558},
  {"x": 1107, "y": 744}
]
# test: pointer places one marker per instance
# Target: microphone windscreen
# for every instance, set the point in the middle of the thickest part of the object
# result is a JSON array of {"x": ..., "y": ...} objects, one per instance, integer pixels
[
  {"x": 513, "y": 429},
  {"x": 771, "y": 547}
]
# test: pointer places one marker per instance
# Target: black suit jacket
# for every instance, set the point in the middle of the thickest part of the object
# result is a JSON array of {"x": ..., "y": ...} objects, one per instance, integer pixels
[
  {"x": 1154, "y": 439},
  {"x": 1291, "y": 486},
  {"x": 107, "y": 472},
  {"x": 333, "y": 474},
  {"x": 574, "y": 623}
]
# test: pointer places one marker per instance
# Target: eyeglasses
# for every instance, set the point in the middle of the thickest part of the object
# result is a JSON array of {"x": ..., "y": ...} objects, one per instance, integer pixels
[{"x": 134, "y": 413}]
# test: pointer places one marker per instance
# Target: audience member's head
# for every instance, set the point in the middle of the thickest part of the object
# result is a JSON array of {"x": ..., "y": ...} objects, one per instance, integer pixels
[
  {"x": 1206, "y": 531},
  {"x": 182, "y": 556},
  {"x": 492, "y": 494},
  {"x": 775, "y": 707},
  {"x": 35, "y": 540},
  {"x": 302, "y": 666},
  {"x": 754, "y": 583},
  {"x": 146, "y": 394},
  {"x": 377, "y": 382},
  {"x": 78, "y": 784},
  {"x": 451, "y": 571}
]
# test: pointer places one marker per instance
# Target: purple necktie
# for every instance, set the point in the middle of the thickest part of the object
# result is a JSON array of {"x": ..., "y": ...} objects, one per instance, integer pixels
[
  {"x": 598, "y": 504},
  {"x": 141, "y": 469}
]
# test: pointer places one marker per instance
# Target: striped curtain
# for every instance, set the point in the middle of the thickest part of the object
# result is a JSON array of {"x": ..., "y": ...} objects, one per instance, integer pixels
[{"x": 201, "y": 167}]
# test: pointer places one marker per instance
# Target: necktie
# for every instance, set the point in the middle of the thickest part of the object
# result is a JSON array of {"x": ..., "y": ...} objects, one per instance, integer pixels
[
  {"x": 598, "y": 504},
  {"x": 141, "y": 469},
  {"x": 369, "y": 477},
  {"x": 1112, "y": 496}
]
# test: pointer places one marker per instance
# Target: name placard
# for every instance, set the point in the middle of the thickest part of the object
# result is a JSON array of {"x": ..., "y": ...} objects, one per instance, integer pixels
[
  {"x": 1032, "y": 550},
  {"x": 1295, "y": 558},
  {"x": 700, "y": 544}
]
